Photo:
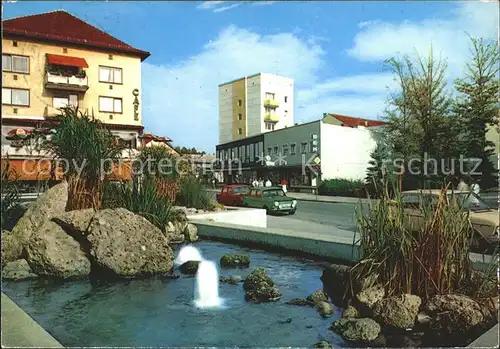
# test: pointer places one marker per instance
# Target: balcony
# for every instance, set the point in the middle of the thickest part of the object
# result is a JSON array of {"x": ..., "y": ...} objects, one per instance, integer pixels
[
  {"x": 271, "y": 117},
  {"x": 271, "y": 103},
  {"x": 67, "y": 83}
]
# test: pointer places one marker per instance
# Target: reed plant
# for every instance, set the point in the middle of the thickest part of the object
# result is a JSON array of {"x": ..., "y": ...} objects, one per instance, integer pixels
[
  {"x": 428, "y": 260},
  {"x": 192, "y": 193},
  {"x": 10, "y": 201},
  {"x": 142, "y": 197},
  {"x": 88, "y": 150}
]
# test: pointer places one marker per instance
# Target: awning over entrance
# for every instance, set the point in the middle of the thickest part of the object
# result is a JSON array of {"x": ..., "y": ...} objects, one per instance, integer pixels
[{"x": 67, "y": 60}]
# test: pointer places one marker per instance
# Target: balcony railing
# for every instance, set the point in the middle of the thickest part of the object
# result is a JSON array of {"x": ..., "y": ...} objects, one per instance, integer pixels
[
  {"x": 271, "y": 103},
  {"x": 271, "y": 117},
  {"x": 69, "y": 83}
]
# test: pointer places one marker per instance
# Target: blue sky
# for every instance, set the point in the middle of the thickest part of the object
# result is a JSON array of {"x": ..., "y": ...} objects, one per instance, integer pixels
[{"x": 334, "y": 50}]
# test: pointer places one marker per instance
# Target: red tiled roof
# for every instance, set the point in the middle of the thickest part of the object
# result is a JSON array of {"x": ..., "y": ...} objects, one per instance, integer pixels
[
  {"x": 67, "y": 60},
  {"x": 63, "y": 27},
  {"x": 350, "y": 121}
]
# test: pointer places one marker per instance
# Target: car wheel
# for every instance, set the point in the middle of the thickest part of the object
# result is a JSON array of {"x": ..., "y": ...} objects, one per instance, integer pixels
[
  {"x": 267, "y": 209},
  {"x": 291, "y": 212},
  {"x": 235, "y": 203}
]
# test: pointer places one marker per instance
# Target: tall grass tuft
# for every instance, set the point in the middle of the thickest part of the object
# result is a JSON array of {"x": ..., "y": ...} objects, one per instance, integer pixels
[
  {"x": 10, "y": 201},
  {"x": 89, "y": 151},
  {"x": 432, "y": 259},
  {"x": 192, "y": 193},
  {"x": 141, "y": 197}
]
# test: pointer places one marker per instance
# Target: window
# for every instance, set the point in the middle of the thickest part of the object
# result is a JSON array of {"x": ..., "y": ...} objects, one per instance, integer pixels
[
  {"x": 314, "y": 147},
  {"x": 411, "y": 201},
  {"x": 240, "y": 117},
  {"x": 269, "y": 95},
  {"x": 15, "y": 96},
  {"x": 286, "y": 99},
  {"x": 268, "y": 126},
  {"x": 110, "y": 75},
  {"x": 292, "y": 149},
  {"x": 110, "y": 104},
  {"x": 269, "y": 151},
  {"x": 268, "y": 110},
  {"x": 276, "y": 150},
  {"x": 251, "y": 151},
  {"x": 286, "y": 149},
  {"x": 240, "y": 102},
  {"x": 62, "y": 102},
  {"x": 240, "y": 131},
  {"x": 303, "y": 147},
  {"x": 15, "y": 64}
]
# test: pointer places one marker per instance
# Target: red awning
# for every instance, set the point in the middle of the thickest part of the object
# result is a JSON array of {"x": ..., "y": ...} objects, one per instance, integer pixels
[{"x": 67, "y": 60}]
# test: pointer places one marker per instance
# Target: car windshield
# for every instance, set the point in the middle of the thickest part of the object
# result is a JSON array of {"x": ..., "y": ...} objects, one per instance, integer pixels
[
  {"x": 241, "y": 190},
  {"x": 274, "y": 192},
  {"x": 470, "y": 201}
]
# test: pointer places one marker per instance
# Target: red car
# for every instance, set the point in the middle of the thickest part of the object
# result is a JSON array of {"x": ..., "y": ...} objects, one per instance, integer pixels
[{"x": 232, "y": 194}]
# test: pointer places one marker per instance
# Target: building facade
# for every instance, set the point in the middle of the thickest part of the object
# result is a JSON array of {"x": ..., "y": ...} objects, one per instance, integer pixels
[
  {"x": 335, "y": 146},
  {"x": 253, "y": 105},
  {"x": 53, "y": 60}
]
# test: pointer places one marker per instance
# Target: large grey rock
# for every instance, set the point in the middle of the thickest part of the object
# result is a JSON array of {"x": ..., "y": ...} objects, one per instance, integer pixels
[
  {"x": 18, "y": 270},
  {"x": 49, "y": 204},
  {"x": 52, "y": 252},
  {"x": 77, "y": 221},
  {"x": 357, "y": 330},
  {"x": 127, "y": 244},
  {"x": 398, "y": 312},
  {"x": 191, "y": 232},
  {"x": 259, "y": 287},
  {"x": 336, "y": 281},
  {"x": 175, "y": 238},
  {"x": 367, "y": 298},
  {"x": 324, "y": 309},
  {"x": 453, "y": 312}
]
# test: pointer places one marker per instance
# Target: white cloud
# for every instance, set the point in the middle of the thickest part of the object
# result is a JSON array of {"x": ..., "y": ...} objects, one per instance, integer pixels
[
  {"x": 181, "y": 101},
  {"x": 218, "y": 6},
  {"x": 378, "y": 40}
]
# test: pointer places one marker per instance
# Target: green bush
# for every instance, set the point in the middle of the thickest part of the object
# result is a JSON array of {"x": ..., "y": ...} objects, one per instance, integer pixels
[
  {"x": 342, "y": 187},
  {"x": 192, "y": 193},
  {"x": 141, "y": 198}
]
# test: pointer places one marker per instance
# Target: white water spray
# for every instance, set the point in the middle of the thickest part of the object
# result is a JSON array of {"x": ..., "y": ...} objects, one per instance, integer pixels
[{"x": 207, "y": 278}]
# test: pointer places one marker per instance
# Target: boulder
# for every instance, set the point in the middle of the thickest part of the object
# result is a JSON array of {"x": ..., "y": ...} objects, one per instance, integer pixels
[
  {"x": 189, "y": 268},
  {"x": 397, "y": 312},
  {"x": 191, "y": 232},
  {"x": 12, "y": 247},
  {"x": 75, "y": 222},
  {"x": 490, "y": 308},
  {"x": 175, "y": 238},
  {"x": 367, "y": 298},
  {"x": 18, "y": 270},
  {"x": 357, "y": 330},
  {"x": 49, "y": 204},
  {"x": 235, "y": 261},
  {"x": 453, "y": 312},
  {"x": 126, "y": 244},
  {"x": 259, "y": 287},
  {"x": 324, "y": 309},
  {"x": 52, "y": 252},
  {"x": 336, "y": 282},
  {"x": 323, "y": 345},
  {"x": 317, "y": 297},
  {"x": 350, "y": 312}
]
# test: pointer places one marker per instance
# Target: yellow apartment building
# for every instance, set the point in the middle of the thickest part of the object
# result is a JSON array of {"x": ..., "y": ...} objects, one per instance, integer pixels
[{"x": 54, "y": 59}]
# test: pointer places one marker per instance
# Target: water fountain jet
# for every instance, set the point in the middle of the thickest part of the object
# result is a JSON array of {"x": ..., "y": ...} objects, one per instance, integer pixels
[{"x": 207, "y": 278}]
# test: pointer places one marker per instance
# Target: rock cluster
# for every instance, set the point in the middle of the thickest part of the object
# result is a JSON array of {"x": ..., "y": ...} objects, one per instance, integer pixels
[
  {"x": 259, "y": 287},
  {"x": 66, "y": 245},
  {"x": 317, "y": 299}
]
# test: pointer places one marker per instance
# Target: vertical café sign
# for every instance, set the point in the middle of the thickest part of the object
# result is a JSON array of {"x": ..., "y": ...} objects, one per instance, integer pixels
[{"x": 135, "y": 92}]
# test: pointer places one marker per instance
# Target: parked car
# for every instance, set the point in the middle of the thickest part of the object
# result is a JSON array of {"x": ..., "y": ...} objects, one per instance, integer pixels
[
  {"x": 272, "y": 199},
  {"x": 232, "y": 194},
  {"x": 484, "y": 220}
]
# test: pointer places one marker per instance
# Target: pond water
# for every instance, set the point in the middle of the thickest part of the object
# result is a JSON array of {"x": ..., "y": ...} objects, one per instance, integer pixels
[{"x": 161, "y": 312}]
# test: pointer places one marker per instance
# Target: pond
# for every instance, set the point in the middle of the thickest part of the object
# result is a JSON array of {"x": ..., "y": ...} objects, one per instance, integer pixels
[{"x": 161, "y": 312}]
